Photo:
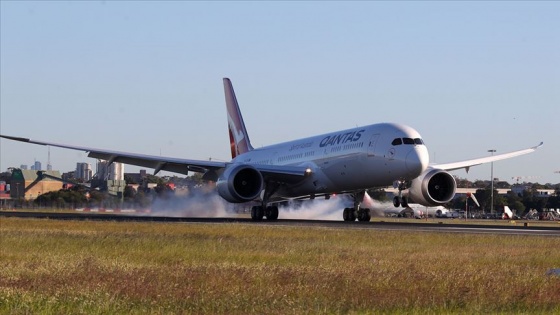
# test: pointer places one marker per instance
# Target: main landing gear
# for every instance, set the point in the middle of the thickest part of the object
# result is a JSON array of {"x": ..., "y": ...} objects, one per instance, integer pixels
[
  {"x": 262, "y": 211},
  {"x": 362, "y": 214},
  {"x": 259, "y": 212}
]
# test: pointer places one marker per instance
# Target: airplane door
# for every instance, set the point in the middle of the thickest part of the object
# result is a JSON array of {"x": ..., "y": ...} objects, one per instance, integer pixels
[{"x": 372, "y": 144}]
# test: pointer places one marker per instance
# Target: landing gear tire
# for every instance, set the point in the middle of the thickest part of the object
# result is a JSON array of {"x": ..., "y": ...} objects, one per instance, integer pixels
[
  {"x": 348, "y": 214},
  {"x": 396, "y": 202},
  {"x": 257, "y": 213},
  {"x": 271, "y": 213},
  {"x": 404, "y": 202},
  {"x": 364, "y": 215}
]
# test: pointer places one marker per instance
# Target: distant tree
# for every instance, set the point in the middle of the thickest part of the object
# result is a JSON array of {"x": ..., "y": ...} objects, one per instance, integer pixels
[
  {"x": 553, "y": 202},
  {"x": 513, "y": 201},
  {"x": 196, "y": 179},
  {"x": 163, "y": 190},
  {"x": 154, "y": 179},
  {"x": 173, "y": 179},
  {"x": 95, "y": 197},
  {"x": 502, "y": 185},
  {"x": 6, "y": 177},
  {"x": 129, "y": 179},
  {"x": 61, "y": 198},
  {"x": 463, "y": 182},
  {"x": 531, "y": 200},
  {"x": 458, "y": 203},
  {"x": 499, "y": 201},
  {"x": 518, "y": 206},
  {"x": 129, "y": 193},
  {"x": 483, "y": 196},
  {"x": 378, "y": 194},
  {"x": 481, "y": 184},
  {"x": 142, "y": 200}
]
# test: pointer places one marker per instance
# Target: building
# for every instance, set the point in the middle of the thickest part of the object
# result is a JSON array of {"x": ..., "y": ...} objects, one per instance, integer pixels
[
  {"x": 110, "y": 178},
  {"x": 518, "y": 189},
  {"x": 115, "y": 171},
  {"x": 137, "y": 177},
  {"x": 36, "y": 166},
  {"x": 83, "y": 172},
  {"x": 69, "y": 175},
  {"x": 27, "y": 184}
]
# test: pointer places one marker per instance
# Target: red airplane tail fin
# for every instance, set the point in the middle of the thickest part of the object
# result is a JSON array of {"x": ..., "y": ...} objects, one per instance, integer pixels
[{"x": 238, "y": 136}]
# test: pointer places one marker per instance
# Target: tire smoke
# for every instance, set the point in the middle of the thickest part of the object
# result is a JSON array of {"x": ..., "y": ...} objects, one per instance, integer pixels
[
  {"x": 315, "y": 210},
  {"x": 195, "y": 204}
]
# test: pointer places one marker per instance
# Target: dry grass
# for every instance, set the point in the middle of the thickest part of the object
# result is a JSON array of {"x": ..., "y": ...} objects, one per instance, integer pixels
[{"x": 56, "y": 267}]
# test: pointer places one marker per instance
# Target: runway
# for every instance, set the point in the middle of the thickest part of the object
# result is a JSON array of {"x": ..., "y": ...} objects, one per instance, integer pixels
[{"x": 444, "y": 226}]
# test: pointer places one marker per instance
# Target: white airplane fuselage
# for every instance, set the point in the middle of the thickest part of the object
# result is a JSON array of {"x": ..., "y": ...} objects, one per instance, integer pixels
[{"x": 347, "y": 160}]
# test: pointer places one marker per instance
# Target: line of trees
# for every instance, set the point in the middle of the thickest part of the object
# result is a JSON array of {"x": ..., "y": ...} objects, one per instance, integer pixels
[
  {"x": 530, "y": 199},
  {"x": 78, "y": 197}
]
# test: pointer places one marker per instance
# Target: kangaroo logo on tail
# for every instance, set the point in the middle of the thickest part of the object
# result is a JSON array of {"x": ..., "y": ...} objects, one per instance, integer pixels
[{"x": 238, "y": 137}]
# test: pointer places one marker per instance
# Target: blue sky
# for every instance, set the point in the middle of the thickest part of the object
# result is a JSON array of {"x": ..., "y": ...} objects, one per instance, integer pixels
[{"x": 146, "y": 77}]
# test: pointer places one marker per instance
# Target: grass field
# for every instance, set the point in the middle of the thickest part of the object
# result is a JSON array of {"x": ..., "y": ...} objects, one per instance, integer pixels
[{"x": 75, "y": 267}]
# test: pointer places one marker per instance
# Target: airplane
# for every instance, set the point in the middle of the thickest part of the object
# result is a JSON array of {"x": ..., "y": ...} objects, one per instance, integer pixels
[
  {"x": 340, "y": 162},
  {"x": 508, "y": 214},
  {"x": 418, "y": 211}
]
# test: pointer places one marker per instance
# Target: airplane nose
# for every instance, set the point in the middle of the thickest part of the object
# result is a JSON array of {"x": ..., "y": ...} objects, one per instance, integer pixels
[{"x": 417, "y": 160}]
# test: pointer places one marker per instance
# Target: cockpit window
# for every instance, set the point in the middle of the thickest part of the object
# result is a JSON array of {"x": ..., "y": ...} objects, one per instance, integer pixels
[
  {"x": 408, "y": 141},
  {"x": 399, "y": 141}
]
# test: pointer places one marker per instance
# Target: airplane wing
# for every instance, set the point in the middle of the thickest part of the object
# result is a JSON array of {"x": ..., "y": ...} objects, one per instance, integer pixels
[
  {"x": 467, "y": 164},
  {"x": 277, "y": 173},
  {"x": 159, "y": 163}
]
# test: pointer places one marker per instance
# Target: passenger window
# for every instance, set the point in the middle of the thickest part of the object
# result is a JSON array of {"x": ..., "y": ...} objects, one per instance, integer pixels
[
  {"x": 397, "y": 141},
  {"x": 408, "y": 141},
  {"x": 418, "y": 141}
]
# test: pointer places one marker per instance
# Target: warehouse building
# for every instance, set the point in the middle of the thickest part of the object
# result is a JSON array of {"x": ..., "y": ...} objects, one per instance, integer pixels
[{"x": 27, "y": 184}]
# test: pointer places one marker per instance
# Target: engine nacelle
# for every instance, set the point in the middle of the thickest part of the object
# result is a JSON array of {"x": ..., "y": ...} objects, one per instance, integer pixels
[
  {"x": 240, "y": 183},
  {"x": 434, "y": 187}
]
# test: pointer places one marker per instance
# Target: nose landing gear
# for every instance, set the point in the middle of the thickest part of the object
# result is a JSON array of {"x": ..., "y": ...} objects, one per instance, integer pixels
[{"x": 401, "y": 200}]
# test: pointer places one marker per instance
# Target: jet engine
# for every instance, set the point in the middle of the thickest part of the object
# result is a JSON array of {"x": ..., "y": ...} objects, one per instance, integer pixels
[
  {"x": 240, "y": 183},
  {"x": 434, "y": 187}
]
